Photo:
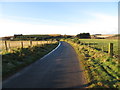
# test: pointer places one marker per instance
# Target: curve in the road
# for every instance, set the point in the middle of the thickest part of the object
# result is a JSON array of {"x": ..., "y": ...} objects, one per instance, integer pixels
[{"x": 58, "y": 69}]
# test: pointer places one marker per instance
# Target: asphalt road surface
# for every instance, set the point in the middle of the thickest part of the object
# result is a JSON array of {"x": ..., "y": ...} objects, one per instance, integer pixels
[{"x": 59, "y": 69}]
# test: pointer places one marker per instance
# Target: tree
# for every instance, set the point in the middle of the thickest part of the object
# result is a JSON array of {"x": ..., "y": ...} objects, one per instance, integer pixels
[{"x": 83, "y": 35}]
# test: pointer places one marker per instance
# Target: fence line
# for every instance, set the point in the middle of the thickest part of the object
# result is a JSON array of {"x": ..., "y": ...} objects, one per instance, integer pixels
[
  {"x": 109, "y": 49},
  {"x": 8, "y": 45}
]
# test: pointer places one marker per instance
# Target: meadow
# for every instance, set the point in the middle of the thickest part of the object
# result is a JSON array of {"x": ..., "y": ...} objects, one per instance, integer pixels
[{"x": 102, "y": 44}]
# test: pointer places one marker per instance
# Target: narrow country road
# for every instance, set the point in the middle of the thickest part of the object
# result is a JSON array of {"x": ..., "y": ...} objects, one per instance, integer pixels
[{"x": 59, "y": 69}]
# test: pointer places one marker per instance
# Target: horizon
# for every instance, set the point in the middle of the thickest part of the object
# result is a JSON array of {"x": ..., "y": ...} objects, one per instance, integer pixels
[
  {"x": 70, "y": 18},
  {"x": 58, "y": 34}
]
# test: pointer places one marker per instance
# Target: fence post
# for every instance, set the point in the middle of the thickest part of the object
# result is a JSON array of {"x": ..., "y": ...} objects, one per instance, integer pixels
[
  {"x": 37, "y": 43},
  {"x": 6, "y": 45},
  {"x": 31, "y": 43},
  {"x": 21, "y": 44},
  {"x": 40, "y": 43},
  {"x": 9, "y": 45},
  {"x": 110, "y": 49}
]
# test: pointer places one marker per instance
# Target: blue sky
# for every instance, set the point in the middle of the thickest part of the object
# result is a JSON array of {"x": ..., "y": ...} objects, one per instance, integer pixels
[{"x": 58, "y": 17}]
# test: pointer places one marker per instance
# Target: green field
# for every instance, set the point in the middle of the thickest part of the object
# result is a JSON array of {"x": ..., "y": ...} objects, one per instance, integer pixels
[{"x": 102, "y": 44}]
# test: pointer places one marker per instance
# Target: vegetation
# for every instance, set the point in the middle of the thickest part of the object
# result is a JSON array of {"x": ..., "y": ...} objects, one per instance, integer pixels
[
  {"x": 39, "y": 37},
  {"x": 33, "y": 37},
  {"x": 83, "y": 35},
  {"x": 102, "y": 45},
  {"x": 101, "y": 70},
  {"x": 20, "y": 57},
  {"x": 9, "y": 45},
  {"x": 36, "y": 37}
]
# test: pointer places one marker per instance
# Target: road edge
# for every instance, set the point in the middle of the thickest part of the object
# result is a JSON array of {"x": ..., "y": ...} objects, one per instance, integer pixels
[
  {"x": 85, "y": 80},
  {"x": 51, "y": 51},
  {"x": 28, "y": 67}
]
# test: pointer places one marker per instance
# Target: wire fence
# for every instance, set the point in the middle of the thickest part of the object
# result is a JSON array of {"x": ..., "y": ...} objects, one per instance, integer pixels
[{"x": 110, "y": 48}]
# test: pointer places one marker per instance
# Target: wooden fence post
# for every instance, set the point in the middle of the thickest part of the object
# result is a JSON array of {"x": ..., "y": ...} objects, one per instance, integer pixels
[
  {"x": 31, "y": 43},
  {"x": 21, "y": 44},
  {"x": 6, "y": 48},
  {"x": 37, "y": 42},
  {"x": 110, "y": 49},
  {"x": 41, "y": 43}
]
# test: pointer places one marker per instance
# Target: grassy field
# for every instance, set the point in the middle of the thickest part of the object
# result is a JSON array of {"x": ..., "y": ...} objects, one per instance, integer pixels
[
  {"x": 101, "y": 71},
  {"x": 18, "y": 58},
  {"x": 102, "y": 44}
]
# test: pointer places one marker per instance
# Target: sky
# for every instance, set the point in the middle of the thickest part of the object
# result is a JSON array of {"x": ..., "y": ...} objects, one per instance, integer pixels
[{"x": 69, "y": 18}]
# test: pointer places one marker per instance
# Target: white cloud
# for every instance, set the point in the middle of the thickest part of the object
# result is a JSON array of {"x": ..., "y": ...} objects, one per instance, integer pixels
[{"x": 101, "y": 24}]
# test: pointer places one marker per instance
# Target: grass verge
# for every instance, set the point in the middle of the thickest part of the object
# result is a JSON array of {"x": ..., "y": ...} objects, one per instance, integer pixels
[
  {"x": 17, "y": 59},
  {"x": 101, "y": 71}
]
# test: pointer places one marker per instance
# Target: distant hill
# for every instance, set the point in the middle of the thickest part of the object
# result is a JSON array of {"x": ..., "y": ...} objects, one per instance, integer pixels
[
  {"x": 117, "y": 36},
  {"x": 105, "y": 36}
]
